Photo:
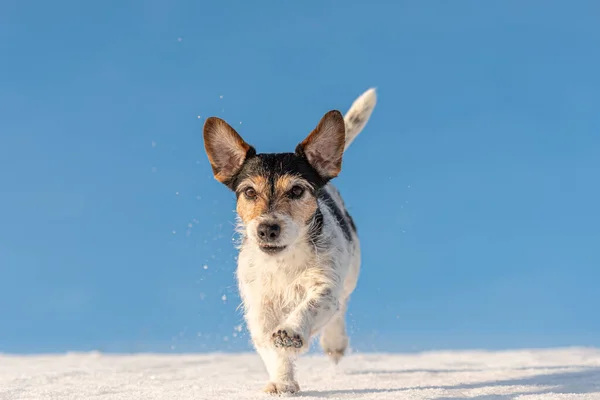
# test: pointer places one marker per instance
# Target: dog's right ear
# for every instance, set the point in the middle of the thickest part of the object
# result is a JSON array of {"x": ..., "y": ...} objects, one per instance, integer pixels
[{"x": 225, "y": 148}]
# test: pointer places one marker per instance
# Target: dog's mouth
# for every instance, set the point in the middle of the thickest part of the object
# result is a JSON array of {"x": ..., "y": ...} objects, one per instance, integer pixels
[{"x": 270, "y": 249}]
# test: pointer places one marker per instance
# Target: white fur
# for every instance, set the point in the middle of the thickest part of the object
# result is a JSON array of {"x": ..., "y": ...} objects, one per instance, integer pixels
[
  {"x": 358, "y": 115},
  {"x": 303, "y": 290}
]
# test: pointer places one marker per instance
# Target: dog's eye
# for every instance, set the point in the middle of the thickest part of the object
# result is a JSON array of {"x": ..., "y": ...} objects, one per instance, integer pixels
[
  {"x": 296, "y": 192},
  {"x": 250, "y": 193}
]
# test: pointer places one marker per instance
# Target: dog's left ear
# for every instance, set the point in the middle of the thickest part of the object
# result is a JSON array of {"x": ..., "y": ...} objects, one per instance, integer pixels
[
  {"x": 324, "y": 147},
  {"x": 225, "y": 148}
]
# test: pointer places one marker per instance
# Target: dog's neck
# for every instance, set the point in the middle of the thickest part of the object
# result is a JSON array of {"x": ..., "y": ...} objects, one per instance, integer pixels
[{"x": 298, "y": 256}]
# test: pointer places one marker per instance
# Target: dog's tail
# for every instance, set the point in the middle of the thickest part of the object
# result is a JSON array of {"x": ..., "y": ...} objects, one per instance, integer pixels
[{"x": 359, "y": 113}]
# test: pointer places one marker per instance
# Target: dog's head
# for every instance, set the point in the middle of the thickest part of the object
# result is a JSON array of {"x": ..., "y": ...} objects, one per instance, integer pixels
[{"x": 276, "y": 192}]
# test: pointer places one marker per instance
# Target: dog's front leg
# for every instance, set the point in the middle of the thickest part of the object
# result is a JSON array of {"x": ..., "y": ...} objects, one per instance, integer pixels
[
  {"x": 309, "y": 317},
  {"x": 280, "y": 367},
  {"x": 261, "y": 321}
]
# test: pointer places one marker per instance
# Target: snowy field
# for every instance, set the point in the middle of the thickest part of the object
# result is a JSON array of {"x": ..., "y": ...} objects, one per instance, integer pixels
[{"x": 526, "y": 375}]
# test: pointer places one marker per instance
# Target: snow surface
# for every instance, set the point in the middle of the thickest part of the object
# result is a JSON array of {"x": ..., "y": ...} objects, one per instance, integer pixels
[{"x": 572, "y": 373}]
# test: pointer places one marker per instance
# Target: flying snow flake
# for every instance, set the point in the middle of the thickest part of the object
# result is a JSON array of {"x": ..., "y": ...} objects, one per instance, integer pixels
[
  {"x": 199, "y": 116},
  {"x": 221, "y": 96},
  {"x": 205, "y": 266},
  {"x": 240, "y": 122},
  {"x": 190, "y": 225},
  {"x": 224, "y": 297},
  {"x": 173, "y": 231},
  {"x": 238, "y": 328},
  {"x": 179, "y": 39}
]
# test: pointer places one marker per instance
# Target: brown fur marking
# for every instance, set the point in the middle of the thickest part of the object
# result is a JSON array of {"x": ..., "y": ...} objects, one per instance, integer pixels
[
  {"x": 300, "y": 210},
  {"x": 276, "y": 201},
  {"x": 248, "y": 209}
]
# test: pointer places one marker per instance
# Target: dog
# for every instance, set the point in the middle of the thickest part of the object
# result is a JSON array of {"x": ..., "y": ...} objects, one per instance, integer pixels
[{"x": 299, "y": 252}]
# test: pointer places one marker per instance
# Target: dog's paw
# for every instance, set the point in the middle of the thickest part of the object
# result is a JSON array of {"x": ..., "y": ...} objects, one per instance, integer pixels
[
  {"x": 334, "y": 345},
  {"x": 286, "y": 339},
  {"x": 335, "y": 355},
  {"x": 282, "y": 387}
]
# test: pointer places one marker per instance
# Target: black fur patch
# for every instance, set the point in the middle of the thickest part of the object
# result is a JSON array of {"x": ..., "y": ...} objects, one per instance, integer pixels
[
  {"x": 272, "y": 165},
  {"x": 352, "y": 224},
  {"x": 339, "y": 216},
  {"x": 316, "y": 228}
]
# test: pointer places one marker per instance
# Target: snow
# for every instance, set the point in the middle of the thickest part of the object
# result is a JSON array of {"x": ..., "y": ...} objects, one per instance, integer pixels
[{"x": 569, "y": 373}]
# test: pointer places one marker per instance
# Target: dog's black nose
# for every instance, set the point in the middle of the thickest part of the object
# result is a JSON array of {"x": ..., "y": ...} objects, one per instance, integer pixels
[{"x": 268, "y": 232}]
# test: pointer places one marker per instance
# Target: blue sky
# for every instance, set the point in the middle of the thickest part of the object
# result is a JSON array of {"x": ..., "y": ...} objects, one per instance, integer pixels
[{"x": 474, "y": 186}]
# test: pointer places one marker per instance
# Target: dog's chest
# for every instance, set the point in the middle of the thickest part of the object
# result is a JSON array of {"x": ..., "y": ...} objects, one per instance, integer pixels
[
  {"x": 281, "y": 289},
  {"x": 282, "y": 293},
  {"x": 271, "y": 283}
]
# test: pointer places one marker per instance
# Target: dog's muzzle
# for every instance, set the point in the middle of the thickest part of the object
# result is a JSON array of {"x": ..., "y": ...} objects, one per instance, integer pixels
[{"x": 268, "y": 234}]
